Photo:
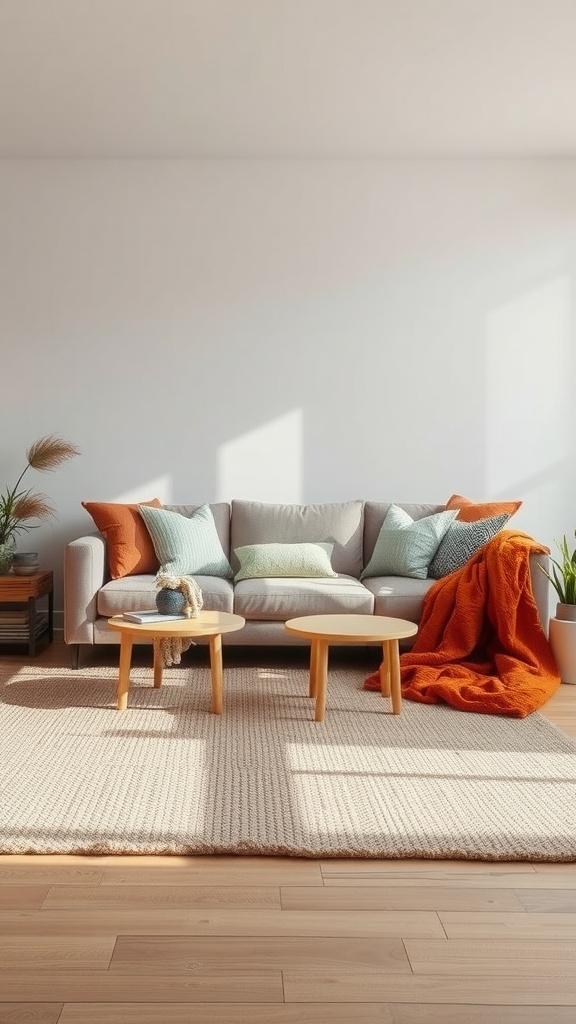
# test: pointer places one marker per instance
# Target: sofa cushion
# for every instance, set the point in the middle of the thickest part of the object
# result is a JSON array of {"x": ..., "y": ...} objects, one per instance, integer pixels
[
  {"x": 129, "y": 547},
  {"x": 399, "y": 596},
  {"x": 405, "y": 546},
  {"x": 461, "y": 541},
  {"x": 469, "y": 511},
  {"x": 136, "y": 592},
  {"x": 281, "y": 599},
  {"x": 261, "y": 560},
  {"x": 340, "y": 523},
  {"x": 186, "y": 546}
]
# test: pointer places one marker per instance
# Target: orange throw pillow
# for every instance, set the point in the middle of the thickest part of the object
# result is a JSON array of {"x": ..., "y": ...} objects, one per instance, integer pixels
[
  {"x": 471, "y": 511},
  {"x": 130, "y": 548}
]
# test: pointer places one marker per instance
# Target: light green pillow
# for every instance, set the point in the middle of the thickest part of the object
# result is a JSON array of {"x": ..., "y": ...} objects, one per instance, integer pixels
[
  {"x": 406, "y": 546},
  {"x": 186, "y": 546},
  {"x": 261, "y": 560}
]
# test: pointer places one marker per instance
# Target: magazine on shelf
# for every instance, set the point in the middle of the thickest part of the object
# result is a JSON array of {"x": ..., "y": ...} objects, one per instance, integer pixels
[{"x": 150, "y": 615}]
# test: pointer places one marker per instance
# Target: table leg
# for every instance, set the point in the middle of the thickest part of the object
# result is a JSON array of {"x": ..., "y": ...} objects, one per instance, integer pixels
[
  {"x": 393, "y": 652},
  {"x": 216, "y": 671},
  {"x": 385, "y": 671},
  {"x": 124, "y": 673},
  {"x": 321, "y": 678},
  {"x": 31, "y": 626},
  {"x": 51, "y": 616},
  {"x": 158, "y": 666},
  {"x": 313, "y": 667}
]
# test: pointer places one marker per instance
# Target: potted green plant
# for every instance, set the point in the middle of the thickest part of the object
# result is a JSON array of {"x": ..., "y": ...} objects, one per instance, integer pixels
[
  {"x": 20, "y": 506},
  {"x": 562, "y": 627},
  {"x": 563, "y": 579}
]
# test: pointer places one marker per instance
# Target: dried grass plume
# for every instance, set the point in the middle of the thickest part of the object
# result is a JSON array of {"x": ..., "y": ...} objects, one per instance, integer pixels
[{"x": 19, "y": 506}]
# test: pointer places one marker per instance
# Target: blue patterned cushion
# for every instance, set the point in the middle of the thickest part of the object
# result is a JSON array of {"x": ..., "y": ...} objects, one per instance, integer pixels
[
  {"x": 258, "y": 561},
  {"x": 406, "y": 546},
  {"x": 462, "y": 541},
  {"x": 186, "y": 546}
]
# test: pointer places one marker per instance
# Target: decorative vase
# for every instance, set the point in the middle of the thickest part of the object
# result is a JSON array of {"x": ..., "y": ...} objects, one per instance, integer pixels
[
  {"x": 171, "y": 602},
  {"x": 563, "y": 643},
  {"x": 6, "y": 557}
]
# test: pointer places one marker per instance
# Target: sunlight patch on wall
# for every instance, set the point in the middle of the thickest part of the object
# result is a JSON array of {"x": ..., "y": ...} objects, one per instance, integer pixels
[
  {"x": 159, "y": 487},
  {"x": 265, "y": 464},
  {"x": 528, "y": 368}
]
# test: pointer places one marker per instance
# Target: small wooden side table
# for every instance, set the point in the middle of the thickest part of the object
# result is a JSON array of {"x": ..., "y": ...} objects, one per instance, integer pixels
[
  {"x": 207, "y": 623},
  {"x": 26, "y": 591},
  {"x": 323, "y": 630}
]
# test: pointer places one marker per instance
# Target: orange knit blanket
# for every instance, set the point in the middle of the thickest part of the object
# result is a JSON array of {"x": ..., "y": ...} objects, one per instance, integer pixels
[{"x": 480, "y": 645}]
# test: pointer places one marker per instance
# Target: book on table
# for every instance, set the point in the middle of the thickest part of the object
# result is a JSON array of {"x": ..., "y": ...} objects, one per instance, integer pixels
[{"x": 150, "y": 615}]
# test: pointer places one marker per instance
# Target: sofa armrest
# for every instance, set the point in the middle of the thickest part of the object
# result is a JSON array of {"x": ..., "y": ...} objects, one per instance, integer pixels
[
  {"x": 540, "y": 588},
  {"x": 84, "y": 574}
]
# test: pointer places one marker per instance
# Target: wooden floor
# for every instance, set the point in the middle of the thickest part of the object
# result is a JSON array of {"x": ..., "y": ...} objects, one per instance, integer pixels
[{"x": 224, "y": 940}]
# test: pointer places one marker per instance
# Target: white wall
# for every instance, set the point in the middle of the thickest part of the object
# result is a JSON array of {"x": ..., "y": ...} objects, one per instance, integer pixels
[{"x": 296, "y": 331}]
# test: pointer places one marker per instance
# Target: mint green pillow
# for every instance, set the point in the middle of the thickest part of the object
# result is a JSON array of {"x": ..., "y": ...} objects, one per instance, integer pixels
[
  {"x": 186, "y": 545},
  {"x": 406, "y": 546},
  {"x": 261, "y": 560}
]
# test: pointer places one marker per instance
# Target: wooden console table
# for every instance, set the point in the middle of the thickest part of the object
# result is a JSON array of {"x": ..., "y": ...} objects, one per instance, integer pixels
[{"x": 21, "y": 593}]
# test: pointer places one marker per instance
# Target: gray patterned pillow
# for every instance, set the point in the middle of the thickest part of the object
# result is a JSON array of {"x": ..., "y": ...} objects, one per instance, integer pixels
[{"x": 461, "y": 541}]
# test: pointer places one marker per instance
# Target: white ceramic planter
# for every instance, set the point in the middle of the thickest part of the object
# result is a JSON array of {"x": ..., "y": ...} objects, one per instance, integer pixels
[
  {"x": 566, "y": 611},
  {"x": 563, "y": 643}
]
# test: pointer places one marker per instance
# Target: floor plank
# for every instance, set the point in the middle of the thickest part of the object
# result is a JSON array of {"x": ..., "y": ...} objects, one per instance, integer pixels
[
  {"x": 30, "y": 1013},
  {"x": 110, "y": 897},
  {"x": 546, "y": 927},
  {"x": 20, "y": 872},
  {"x": 253, "y": 1013},
  {"x": 309, "y": 1013},
  {"x": 301, "y": 987},
  {"x": 22, "y": 897},
  {"x": 157, "y": 954},
  {"x": 51, "y": 953},
  {"x": 547, "y": 901},
  {"x": 238, "y": 871},
  {"x": 400, "y": 898},
  {"x": 170, "y": 988},
  {"x": 242, "y": 923},
  {"x": 492, "y": 958}
]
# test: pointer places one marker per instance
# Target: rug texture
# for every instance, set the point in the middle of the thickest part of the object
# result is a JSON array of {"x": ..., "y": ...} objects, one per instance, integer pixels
[{"x": 168, "y": 776}]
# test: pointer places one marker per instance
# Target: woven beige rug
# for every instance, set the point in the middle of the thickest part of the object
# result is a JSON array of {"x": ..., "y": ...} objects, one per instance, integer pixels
[{"x": 167, "y": 776}]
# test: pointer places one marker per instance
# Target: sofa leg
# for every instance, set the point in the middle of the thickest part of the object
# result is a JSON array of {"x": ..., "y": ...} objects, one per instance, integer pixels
[{"x": 75, "y": 655}]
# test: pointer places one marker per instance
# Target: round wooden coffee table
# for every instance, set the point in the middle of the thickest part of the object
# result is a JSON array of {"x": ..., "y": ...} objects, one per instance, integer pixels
[
  {"x": 323, "y": 630},
  {"x": 206, "y": 624}
]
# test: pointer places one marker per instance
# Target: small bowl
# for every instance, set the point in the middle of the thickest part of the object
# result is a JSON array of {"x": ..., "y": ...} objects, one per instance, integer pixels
[
  {"x": 25, "y": 570},
  {"x": 25, "y": 558}
]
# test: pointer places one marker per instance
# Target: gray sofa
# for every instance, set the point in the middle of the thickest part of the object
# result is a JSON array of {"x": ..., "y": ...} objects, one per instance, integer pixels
[{"x": 91, "y": 597}]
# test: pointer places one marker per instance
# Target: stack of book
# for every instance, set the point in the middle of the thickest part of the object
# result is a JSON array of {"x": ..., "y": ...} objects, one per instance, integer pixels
[{"x": 15, "y": 625}]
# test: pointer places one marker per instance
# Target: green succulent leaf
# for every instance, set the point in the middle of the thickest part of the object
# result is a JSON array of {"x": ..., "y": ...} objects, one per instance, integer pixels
[{"x": 562, "y": 572}]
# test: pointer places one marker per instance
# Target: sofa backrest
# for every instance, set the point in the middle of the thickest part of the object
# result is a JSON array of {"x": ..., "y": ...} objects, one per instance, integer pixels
[
  {"x": 341, "y": 523},
  {"x": 375, "y": 513}
]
